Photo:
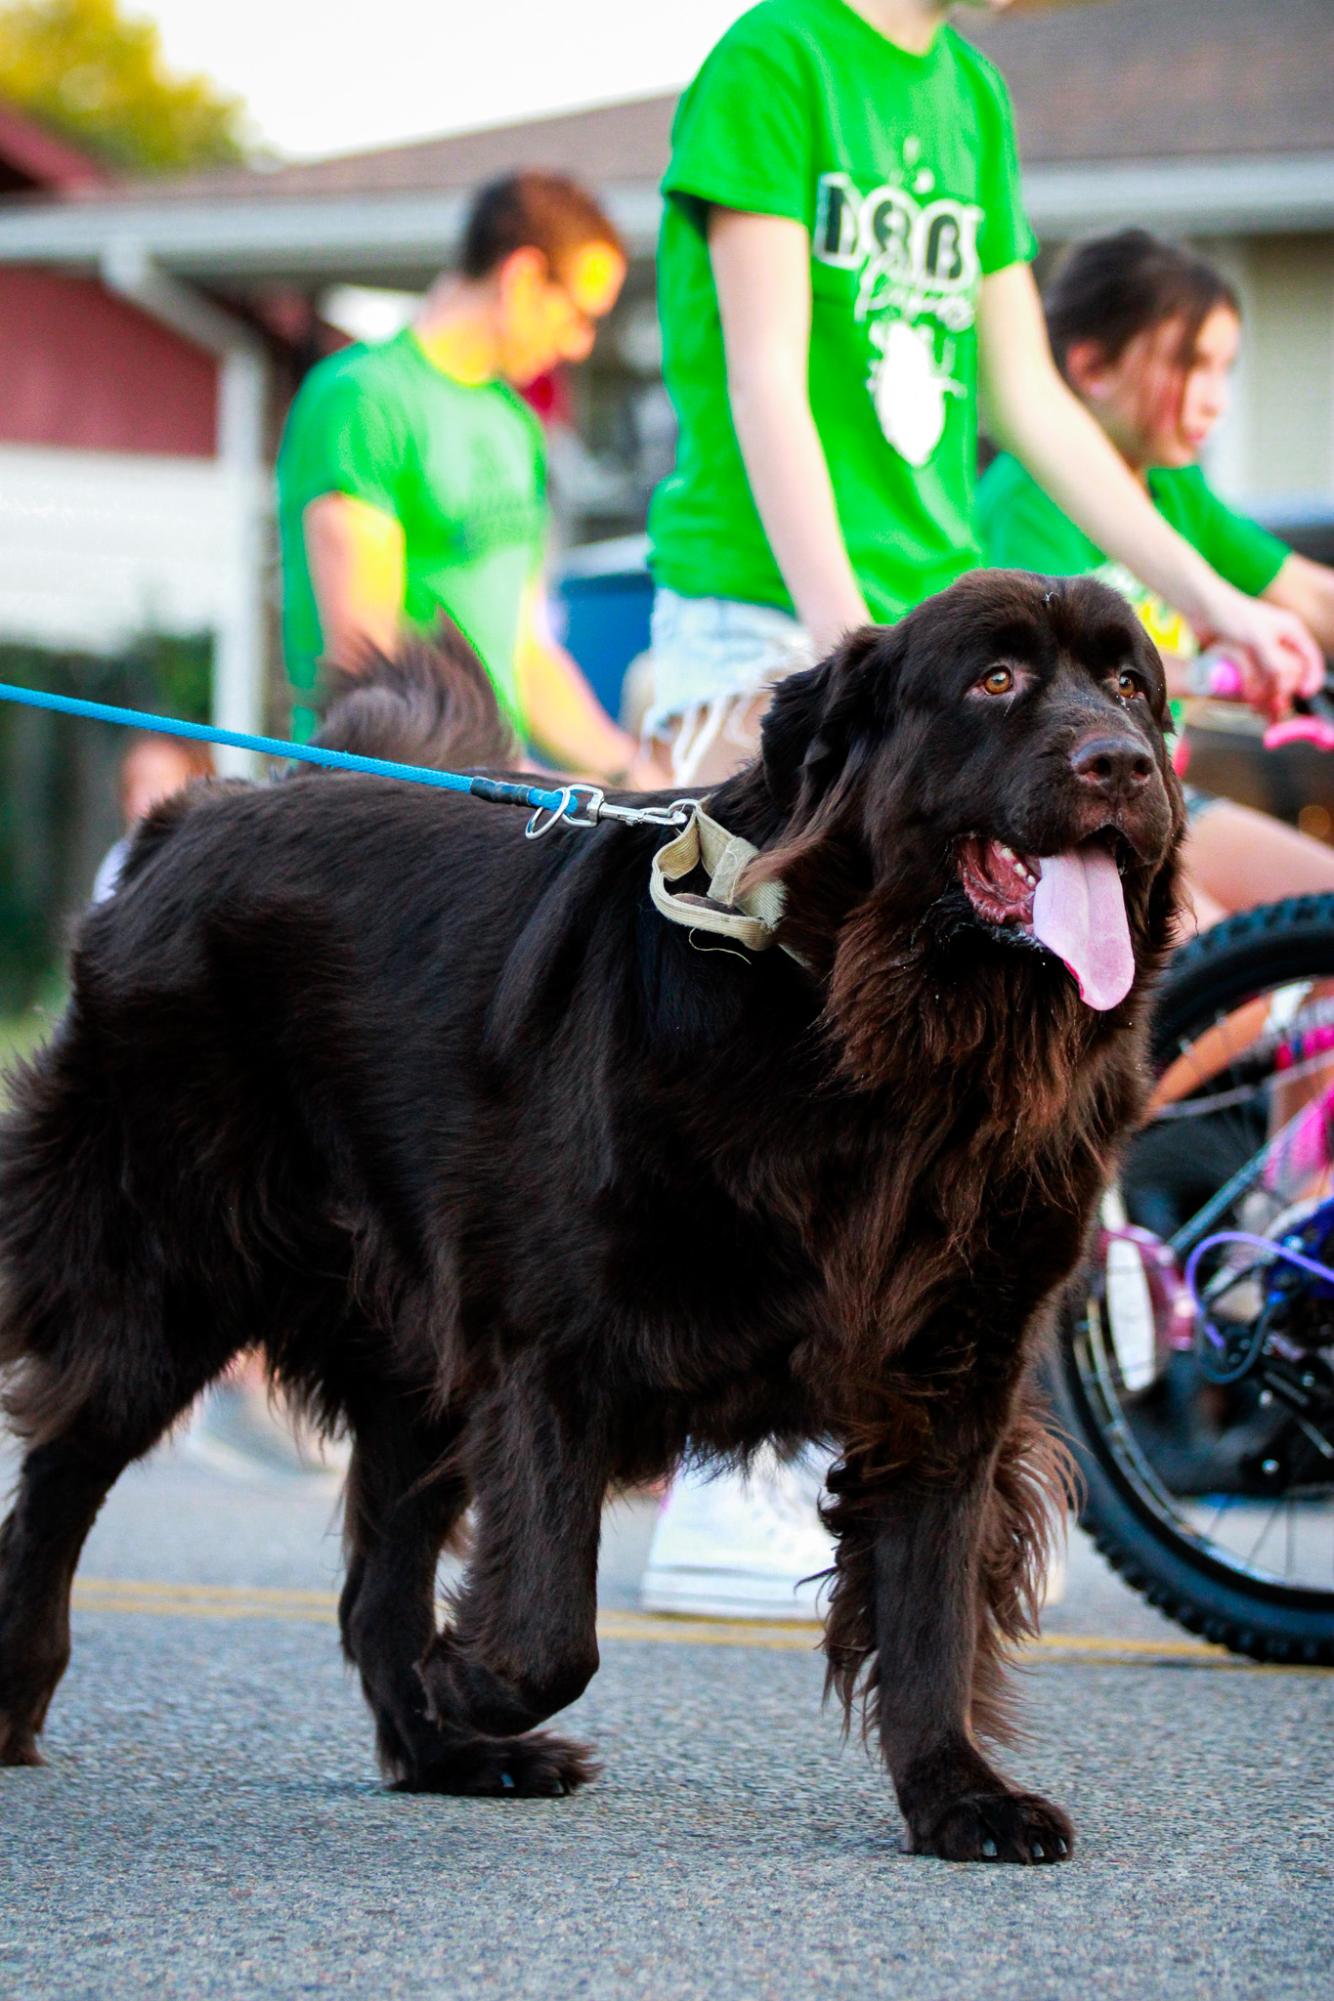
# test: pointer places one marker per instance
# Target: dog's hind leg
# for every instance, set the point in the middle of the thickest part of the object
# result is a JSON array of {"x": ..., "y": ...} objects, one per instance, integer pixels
[
  {"x": 522, "y": 1640},
  {"x": 103, "y": 1343},
  {"x": 405, "y": 1496},
  {"x": 406, "y": 1493},
  {"x": 63, "y": 1481}
]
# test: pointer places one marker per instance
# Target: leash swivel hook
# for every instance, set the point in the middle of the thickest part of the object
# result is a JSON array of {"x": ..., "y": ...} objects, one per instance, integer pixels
[{"x": 586, "y": 805}]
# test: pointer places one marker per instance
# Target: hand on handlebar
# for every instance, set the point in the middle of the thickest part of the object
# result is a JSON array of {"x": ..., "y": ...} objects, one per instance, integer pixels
[
  {"x": 1276, "y": 656},
  {"x": 1216, "y": 674}
]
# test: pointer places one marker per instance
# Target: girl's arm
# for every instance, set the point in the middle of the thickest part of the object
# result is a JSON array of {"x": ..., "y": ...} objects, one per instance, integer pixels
[
  {"x": 761, "y": 268},
  {"x": 1033, "y": 413},
  {"x": 1307, "y": 588},
  {"x": 569, "y": 725}
]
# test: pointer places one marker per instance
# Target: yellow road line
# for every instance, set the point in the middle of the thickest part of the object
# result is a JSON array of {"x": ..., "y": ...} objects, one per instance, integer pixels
[
  {"x": 152, "y": 1587},
  {"x": 149, "y": 1597}
]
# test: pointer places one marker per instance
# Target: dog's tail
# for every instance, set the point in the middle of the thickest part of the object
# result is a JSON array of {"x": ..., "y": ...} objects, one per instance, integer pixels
[{"x": 431, "y": 702}]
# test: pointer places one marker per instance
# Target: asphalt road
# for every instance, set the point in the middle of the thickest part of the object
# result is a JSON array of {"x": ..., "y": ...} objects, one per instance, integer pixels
[{"x": 211, "y": 1823}]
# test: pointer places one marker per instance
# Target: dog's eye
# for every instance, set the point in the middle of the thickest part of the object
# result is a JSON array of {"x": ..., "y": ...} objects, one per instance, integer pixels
[
  {"x": 1000, "y": 681},
  {"x": 1128, "y": 685}
]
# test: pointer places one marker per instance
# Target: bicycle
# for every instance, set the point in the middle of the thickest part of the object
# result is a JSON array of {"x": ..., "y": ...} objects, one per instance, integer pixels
[{"x": 1195, "y": 1370}]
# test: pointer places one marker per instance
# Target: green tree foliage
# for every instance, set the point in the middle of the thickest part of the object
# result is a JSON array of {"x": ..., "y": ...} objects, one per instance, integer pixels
[{"x": 97, "y": 76}]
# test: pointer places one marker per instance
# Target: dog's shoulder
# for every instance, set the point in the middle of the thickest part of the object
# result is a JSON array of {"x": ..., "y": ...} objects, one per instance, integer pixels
[{"x": 164, "y": 821}]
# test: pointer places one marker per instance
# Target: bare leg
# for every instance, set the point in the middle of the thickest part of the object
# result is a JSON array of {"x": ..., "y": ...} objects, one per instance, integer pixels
[
  {"x": 706, "y": 754},
  {"x": 1236, "y": 858},
  {"x": 1196, "y": 910}
]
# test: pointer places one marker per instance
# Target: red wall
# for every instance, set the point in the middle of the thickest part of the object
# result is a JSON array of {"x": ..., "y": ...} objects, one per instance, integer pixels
[{"x": 82, "y": 368}]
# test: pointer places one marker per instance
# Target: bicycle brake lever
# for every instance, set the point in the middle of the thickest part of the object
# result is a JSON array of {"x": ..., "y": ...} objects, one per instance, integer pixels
[{"x": 1312, "y": 721}]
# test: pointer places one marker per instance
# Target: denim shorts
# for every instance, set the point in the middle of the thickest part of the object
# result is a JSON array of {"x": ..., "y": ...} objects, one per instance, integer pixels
[
  {"x": 711, "y": 656},
  {"x": 1197, "y": 803}
]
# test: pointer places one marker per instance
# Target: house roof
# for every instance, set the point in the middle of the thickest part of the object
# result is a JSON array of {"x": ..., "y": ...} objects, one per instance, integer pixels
[
  {"x": 1127, "y": 80},
  {"x": 1207, "y": 115},
  {"x": 1115, "y": 80},
  {"x": 620, "y": 143},
  {"x": 32, "y": 156}
]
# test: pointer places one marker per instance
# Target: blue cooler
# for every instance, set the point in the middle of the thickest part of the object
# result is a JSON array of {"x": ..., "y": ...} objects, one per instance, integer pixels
[{"x": 603, "y": 598}]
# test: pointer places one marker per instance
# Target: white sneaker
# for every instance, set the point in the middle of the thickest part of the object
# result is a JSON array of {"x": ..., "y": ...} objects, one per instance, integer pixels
[
  {"x": 734, "y": 1546},
  {"x": 1054, "y": 1581},
  {"x": 235, "y": 1429}
]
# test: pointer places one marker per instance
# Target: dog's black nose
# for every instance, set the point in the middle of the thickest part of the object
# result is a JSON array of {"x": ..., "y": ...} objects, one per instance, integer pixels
[{"x": 1115, "y": 765}]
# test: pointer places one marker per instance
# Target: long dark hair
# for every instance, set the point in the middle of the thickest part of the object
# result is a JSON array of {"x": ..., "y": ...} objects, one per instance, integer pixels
[{"x": 1108, "y": 289}]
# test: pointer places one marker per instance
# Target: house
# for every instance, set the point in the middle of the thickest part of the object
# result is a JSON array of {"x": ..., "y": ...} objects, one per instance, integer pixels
[
  {"x": 153, "y": 332},
  {"x": 137, "y": 424}
]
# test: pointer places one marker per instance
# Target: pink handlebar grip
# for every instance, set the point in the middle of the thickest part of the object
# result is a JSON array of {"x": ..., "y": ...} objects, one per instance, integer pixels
[
  {"x": 1225, "y": 682},
  {"x": 1317, "y": 730}
]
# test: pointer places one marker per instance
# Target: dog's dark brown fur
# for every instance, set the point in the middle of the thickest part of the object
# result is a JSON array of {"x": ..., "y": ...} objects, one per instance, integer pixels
[{"x": 530, "y": 1192}]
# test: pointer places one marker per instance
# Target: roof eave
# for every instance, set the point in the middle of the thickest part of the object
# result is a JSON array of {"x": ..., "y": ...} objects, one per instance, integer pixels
[
  {"x": 1261, "y": 195},
  {"x": 386, "y": 239},
  {"x": 403, "y": 239}
]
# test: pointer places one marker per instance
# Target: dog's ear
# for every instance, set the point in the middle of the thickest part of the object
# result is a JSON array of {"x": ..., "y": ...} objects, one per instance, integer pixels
[
  {"x": 819, "y": 740},
  {"x": 815, "y": 719}
]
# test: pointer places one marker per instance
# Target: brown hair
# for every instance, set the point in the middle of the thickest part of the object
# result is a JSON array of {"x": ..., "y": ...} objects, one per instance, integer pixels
[
  {"x": 1109, "y": 289},
  {"x": 532, "y": 211}
]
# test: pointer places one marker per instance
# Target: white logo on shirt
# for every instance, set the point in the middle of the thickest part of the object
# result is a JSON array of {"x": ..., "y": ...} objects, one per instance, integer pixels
[{"x": 917, "y": 288}]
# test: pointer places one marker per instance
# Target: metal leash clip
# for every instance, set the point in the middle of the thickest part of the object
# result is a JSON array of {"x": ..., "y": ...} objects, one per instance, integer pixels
[
  {"x": 586, "y": 805},
  {"x": 570, "y": 807},
  {"x": 674, "y": 815}
]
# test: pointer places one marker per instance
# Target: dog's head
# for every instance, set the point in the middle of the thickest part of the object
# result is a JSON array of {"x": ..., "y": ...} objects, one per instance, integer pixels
[{"x": 990, "y": 773}]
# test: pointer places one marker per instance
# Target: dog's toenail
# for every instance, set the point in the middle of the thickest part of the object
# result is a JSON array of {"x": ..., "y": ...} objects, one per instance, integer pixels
[
  {"x": 1062, "y": 1847},
  {"x": 1038, "y": 1852},
  {"x": 990, "y": 1850},
  {"x": 507, "y": 1781}
]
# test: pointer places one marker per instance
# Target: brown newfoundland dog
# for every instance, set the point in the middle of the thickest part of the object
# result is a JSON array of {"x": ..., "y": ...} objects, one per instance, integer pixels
[{"x": 530, "y": 1189}]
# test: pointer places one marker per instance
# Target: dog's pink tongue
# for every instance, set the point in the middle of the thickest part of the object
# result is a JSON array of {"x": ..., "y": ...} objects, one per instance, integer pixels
[{"x": 1079, "y": 914}]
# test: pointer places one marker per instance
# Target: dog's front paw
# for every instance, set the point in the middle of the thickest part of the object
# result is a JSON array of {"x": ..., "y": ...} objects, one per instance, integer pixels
[{"x": 994, "y": 1827}]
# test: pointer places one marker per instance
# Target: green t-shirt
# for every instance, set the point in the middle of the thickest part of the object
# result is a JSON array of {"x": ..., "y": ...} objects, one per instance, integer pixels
[
  {"x": 903, "y": 169},
  {"x": 1021, "y": 529},
  {"x": 462, "y": 469}
]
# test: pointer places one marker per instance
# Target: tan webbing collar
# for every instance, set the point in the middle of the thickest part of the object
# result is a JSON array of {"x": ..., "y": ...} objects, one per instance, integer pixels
[{"x": 750, "y": 919}]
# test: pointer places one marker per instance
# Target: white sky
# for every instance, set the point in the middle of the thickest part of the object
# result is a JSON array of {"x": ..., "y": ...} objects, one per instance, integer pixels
[{"x": 326, "y": 76}]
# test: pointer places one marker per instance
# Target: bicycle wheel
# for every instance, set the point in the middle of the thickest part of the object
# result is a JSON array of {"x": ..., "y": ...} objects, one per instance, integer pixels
[{"x": 1203, "y": 1417}]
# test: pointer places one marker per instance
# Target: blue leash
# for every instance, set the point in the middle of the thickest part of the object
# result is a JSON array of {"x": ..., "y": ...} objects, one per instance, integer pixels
[{"x": 577, "y": 805}]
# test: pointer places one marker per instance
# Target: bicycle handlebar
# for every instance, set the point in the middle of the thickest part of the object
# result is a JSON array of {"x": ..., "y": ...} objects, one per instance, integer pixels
[{"x": 1312, "y": 722}]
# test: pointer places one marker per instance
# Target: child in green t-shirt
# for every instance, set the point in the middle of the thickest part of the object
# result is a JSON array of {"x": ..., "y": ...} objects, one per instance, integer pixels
[
  {"x": 844, "y": 257},
  {"x": 1146, "y": 335}
]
